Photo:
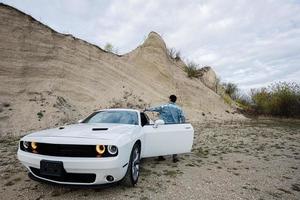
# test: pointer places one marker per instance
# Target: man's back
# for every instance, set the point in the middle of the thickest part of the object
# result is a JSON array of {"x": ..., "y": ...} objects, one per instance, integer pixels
[{"x": 170, "y": 113}]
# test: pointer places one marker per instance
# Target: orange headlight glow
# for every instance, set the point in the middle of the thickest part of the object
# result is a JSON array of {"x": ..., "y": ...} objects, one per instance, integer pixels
[
  {"x": 100, "y": 149},
  {"x": 34, "y": 145}
]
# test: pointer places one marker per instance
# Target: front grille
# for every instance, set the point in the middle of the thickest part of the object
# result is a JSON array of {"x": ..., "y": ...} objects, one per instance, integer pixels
[
  {"x": 67, "y": 150},
  {"x": 67, "y": 177}
]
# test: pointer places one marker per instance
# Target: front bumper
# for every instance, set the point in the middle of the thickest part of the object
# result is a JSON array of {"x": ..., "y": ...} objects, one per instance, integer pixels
[{"x": 101, "y": 167}]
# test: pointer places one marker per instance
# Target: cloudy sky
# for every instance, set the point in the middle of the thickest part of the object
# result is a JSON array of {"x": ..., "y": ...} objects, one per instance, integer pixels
[{"x": 251, "y": 43}]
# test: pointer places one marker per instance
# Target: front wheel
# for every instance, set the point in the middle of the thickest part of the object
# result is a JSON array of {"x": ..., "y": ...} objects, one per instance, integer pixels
[{"x": 133, "y": 170}]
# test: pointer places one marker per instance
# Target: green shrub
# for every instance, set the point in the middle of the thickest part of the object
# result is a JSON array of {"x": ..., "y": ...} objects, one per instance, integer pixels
[
  {"x": 174, "y": 54},
  {"x": 110, "y": 48},
  {"x": 261, "y": 98},
  {"x": 278, "y": 99},
  {"x": 177, "y": 55},
  {"x": 192, "y": 70},
  {"x": 244, "y": 101},
  {"x": 231, "y": 89}
]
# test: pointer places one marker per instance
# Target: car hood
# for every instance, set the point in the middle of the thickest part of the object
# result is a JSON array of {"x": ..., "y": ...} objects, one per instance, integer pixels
[{"x": 88, "y": 131}]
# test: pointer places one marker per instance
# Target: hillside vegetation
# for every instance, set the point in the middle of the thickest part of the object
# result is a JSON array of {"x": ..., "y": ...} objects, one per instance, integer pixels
[{"x": 280, "y": 99}]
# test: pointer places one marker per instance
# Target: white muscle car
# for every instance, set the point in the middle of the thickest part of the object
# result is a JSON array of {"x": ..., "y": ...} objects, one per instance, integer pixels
[{"x": 105, "y": 147}]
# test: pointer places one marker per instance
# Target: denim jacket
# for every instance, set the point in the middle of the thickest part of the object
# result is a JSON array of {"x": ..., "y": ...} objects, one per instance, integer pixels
[{"x": 170, "y": 113}]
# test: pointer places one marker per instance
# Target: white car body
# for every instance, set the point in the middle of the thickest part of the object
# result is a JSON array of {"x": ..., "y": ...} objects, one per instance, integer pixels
[{"x": 155, "y": 139}]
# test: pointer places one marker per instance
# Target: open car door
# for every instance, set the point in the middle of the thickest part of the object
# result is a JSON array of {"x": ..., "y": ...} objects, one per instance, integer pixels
[{"x": 167, "y": 139}]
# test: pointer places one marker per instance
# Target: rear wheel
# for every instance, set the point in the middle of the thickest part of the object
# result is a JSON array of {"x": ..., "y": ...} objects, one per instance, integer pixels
[{"x": 133, "y": 170}]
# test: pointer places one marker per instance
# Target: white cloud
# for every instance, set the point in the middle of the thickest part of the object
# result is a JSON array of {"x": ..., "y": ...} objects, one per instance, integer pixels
[{"x": 251, "y": 43}]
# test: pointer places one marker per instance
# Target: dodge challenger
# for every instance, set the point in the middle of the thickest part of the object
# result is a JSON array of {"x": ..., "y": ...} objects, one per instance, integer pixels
[{"x": 103, "y": 148}]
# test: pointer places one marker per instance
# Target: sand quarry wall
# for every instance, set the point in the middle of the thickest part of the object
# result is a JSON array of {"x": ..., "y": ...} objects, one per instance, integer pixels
[{"x": 48, "y": 78}]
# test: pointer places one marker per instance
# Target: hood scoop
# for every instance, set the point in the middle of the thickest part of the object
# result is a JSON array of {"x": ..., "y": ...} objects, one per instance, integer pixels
[{"x": 99, "y": 129}]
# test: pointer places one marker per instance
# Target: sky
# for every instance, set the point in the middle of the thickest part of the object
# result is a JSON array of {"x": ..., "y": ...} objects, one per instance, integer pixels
[{"x": 251, "y": 43}]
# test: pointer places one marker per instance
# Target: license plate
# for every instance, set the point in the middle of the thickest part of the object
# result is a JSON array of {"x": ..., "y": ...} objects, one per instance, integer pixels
[{"x": 51, "y": 168}]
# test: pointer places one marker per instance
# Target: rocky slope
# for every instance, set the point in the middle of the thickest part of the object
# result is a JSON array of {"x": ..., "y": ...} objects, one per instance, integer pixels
[{"x": 48, "y": 78}]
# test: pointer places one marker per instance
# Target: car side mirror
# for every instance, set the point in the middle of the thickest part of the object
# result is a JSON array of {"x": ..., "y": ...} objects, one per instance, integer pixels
[
  {"x": 79, "y": 121},
  {"x": 158, "y": 122}
]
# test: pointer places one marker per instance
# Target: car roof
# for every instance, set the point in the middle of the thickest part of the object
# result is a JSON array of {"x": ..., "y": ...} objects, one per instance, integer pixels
[{"x": 120, "y": 109}]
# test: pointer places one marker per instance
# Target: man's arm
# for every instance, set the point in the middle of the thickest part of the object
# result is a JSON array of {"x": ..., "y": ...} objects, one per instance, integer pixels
[{"x": 154, "y": 109}]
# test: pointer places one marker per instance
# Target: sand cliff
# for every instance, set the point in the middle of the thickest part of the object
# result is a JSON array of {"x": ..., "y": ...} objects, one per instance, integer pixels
[{"x": 48, "y": 78}]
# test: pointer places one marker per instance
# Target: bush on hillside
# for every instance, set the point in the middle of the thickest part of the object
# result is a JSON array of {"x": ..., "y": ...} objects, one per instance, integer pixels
[
  {"x": 110, "y": 48},
  {"x": 177, "y": 55},
  {"x": 233, "y": 95},
  {"x": 192, "y": 70},
  {"x": 174, "y": 54},
  {"x": 231, "y": 89}
]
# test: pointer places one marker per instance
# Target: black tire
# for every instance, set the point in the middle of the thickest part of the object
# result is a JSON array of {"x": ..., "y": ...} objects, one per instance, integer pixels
[{"x": 132, "y": 175}]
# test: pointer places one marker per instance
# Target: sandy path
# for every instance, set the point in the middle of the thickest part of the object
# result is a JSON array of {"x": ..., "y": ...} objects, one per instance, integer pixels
[{"x": 253, "y": 160}]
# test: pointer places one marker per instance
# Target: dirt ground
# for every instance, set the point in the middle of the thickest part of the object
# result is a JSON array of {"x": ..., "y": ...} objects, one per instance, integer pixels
[{"x": 236, "y": 160}]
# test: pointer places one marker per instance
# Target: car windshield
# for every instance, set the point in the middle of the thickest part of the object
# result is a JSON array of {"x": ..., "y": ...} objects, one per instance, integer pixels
[{"x": 117, "y": 117}]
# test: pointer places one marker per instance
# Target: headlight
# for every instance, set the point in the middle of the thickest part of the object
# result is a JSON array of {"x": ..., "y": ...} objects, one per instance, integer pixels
[
  {"x": 34, "y": 145},
  {"x": 112, "y": 149},
  {"x": 100, "y": 149},
  {"x": 26, "y": 144}
]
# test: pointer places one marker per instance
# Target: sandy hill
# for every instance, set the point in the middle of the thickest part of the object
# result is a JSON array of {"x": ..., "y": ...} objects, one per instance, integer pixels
[{"x": 48, "y": 78}]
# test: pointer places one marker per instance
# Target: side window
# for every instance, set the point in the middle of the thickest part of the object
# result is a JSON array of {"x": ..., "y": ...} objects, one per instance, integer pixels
[{"x": 144, "y": 119}]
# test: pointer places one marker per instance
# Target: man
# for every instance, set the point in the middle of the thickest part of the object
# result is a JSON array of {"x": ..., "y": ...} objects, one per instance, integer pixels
[{"x": 171, "y": 114}]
